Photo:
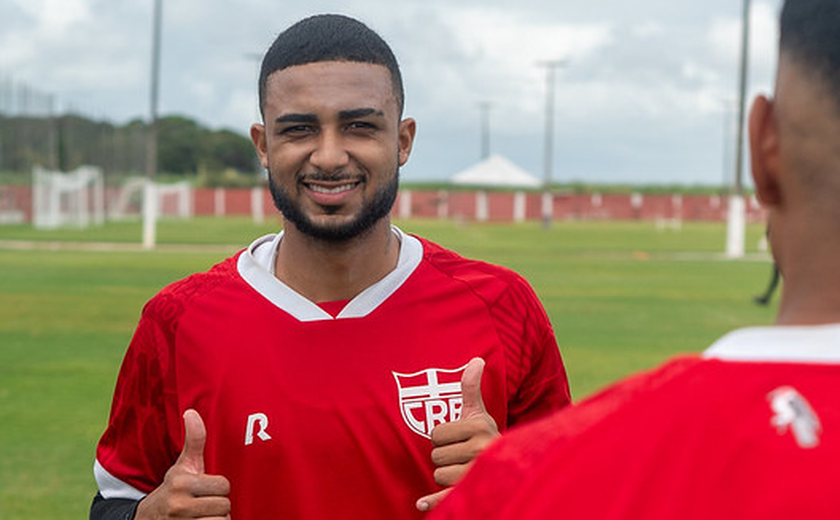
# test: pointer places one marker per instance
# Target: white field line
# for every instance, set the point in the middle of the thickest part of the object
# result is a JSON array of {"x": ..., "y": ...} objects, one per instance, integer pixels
[{"x": 46, "y": 245}]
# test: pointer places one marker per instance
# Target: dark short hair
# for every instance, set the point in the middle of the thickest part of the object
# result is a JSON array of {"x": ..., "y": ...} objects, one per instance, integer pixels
[
  {"x": 810, "y": 34},
  {"x": 329, "y": 37}
]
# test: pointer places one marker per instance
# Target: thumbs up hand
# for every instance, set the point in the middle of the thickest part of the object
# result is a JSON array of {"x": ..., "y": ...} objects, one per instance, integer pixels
[
  {"x": 457, "y": 443},
  {"x": 186, "y": 491}
]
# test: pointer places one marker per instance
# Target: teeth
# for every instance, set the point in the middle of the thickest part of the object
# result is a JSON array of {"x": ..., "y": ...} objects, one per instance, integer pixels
[{"x": 337, "y": 189}]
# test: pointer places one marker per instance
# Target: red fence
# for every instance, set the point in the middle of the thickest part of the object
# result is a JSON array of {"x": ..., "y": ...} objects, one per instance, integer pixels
[{"x": 494, "y": 206}]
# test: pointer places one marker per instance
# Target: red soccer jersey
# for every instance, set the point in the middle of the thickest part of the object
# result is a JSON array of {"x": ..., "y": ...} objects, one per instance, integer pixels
[
  {"x": 312, "y": 416},
  {"x": 751, "y": 430}
]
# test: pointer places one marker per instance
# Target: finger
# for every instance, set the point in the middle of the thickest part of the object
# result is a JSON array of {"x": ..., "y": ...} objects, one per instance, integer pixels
[
  {"x": 195, "y": 435},
  {"x": 482, "y": 426},
  {"x": 201, "y": 485},
  {"x": 473, "y": 404},
  {"x": 210, "y": 507},
  {"x": 429, "y": 502},
  {"x": 450, "y": 475},
  {"x": 457, "y": 453}
]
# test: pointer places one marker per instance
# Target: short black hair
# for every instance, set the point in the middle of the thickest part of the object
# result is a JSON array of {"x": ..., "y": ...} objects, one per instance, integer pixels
[
  {"x": 810, "y": 34},
  {"x": 329, "y": 37}
]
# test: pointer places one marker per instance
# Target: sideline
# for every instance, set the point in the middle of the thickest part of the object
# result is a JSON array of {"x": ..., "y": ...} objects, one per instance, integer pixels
[{"x": 50, "y": 245}]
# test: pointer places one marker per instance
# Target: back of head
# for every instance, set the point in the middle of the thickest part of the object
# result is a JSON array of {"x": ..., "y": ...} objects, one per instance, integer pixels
[
  {"x": 810, "y": 35},
  {"x": 329, "y": 37},
  {"x": 808, "y": 101}
]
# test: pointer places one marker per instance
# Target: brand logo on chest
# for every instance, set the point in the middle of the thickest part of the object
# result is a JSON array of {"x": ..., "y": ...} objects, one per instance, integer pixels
[
  {"x": 429, "y": 397},
  {"x": 257, "y": 425}
]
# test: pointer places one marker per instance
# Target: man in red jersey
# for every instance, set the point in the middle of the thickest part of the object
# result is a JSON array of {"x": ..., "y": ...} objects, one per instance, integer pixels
[
  {"x": 341, "y": 368},
  {"x": 751, "y": 429}
]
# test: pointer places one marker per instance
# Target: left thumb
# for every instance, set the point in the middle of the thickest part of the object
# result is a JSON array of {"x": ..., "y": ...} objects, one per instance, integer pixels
[{"x": 473, "y": 404}]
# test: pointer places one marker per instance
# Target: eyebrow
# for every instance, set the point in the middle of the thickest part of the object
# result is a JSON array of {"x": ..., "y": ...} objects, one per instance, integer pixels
[
  {"x": 342, "y": 115},
  {"x": 360, "y": 112},
  {"x": 297, "y": 118}
]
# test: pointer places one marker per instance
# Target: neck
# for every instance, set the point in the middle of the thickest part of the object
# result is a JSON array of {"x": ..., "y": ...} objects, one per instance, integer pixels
[
  {"x": 811, "y": 289},
  {"x": 327, "y": 271}
]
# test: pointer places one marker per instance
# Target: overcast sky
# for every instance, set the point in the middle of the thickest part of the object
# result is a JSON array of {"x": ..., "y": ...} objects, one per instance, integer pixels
[{"x": 646, "y": 96}]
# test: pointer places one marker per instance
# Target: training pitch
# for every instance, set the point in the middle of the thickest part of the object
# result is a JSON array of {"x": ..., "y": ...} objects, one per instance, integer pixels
[{"x": 622, "y": 296}]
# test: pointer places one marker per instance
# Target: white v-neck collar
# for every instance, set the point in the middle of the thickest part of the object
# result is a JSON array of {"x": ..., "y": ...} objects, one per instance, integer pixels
[
  {"x": 256, "y": 266},
  {"x": 813, "y": 344}
]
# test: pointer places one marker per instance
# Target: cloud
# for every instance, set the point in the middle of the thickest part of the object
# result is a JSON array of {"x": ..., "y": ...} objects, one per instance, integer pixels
[
  {"x": 643, "y": 91},
  {"x": 54, "y": 18}
]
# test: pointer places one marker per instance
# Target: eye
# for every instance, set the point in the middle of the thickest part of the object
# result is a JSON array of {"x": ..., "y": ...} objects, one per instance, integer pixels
[
  {"x": 361, "y": 126},
  {"x": 295, "y": 130}
]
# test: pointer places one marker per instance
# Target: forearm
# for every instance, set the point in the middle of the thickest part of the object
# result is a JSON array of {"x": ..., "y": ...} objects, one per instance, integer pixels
[{"x": 112, "y": 508}]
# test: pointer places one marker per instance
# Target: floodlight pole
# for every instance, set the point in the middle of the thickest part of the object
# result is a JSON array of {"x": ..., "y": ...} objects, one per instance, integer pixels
[
  {"x": 548, "y": 152},
  {"x": 736, "y": 221},
  {"x": 484, "y": 107},
  {"x": 150, "y": 208}
]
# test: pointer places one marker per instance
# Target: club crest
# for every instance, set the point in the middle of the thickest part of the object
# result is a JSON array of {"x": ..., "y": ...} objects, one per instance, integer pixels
[
  {"x": 430, "y": 397},
  {"x": 793, "y": 413}
]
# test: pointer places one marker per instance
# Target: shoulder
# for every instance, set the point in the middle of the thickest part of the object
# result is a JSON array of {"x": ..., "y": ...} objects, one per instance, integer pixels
[
  {"x": 576, "y": 433},
  {"x": 616, "y": 402},
  {"x": 171, "y": 301},
  {"x": 490, "y": 282}
]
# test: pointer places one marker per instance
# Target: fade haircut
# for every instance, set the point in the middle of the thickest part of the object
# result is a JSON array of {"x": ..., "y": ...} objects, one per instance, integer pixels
[
  {"x": 329, "y": 37},
  {"x": 810, "y": 34}
]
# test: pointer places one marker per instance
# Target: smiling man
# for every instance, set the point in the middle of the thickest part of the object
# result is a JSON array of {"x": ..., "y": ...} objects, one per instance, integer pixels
[{"x": 340, "y": 368}]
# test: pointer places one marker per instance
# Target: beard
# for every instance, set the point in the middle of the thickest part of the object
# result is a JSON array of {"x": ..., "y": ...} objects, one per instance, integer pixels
[{"x": 372, "y": 212}]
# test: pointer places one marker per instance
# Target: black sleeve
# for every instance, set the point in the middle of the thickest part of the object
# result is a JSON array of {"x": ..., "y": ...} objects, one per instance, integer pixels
[{"x": 112, "y": 508}]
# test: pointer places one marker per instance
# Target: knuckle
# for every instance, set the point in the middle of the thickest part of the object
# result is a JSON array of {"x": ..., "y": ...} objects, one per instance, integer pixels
[
  {"x": 438, "y": 457},
  {"x": 224, "y": 486},
  {"x": 440, "y": 476},
  {"x": 447, "y": 476},
  {"x": 178, "y": 505},
  {"x": 438, "y": 435}
]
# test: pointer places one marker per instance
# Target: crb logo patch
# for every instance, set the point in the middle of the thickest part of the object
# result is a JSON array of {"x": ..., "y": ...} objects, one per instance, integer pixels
[{"x": 430, "y": 397}]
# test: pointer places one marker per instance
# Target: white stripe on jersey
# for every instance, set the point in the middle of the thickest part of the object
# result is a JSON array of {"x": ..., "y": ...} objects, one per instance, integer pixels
[{"x": 112, "y": 487}]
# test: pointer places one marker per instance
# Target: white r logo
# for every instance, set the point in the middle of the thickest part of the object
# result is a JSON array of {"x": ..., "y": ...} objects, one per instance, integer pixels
[{"x": 261, "y": 420}]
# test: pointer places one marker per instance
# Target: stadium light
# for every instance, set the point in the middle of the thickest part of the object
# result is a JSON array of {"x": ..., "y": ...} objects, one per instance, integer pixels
[
  {"x": 548, "y": 153},
  {"x": 150, "y": 201},
  {"x": 736, "y": 218}
]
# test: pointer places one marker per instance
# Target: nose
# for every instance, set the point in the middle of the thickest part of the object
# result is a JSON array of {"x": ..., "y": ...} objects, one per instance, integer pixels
[{"x": 330, "y": 153}]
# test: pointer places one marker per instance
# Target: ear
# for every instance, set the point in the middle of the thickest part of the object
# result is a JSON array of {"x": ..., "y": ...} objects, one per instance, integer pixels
[
  {"x": 259, "y": 139},
  {"x": 765, "y": 152},
  {"x": 406, "y": 138}
]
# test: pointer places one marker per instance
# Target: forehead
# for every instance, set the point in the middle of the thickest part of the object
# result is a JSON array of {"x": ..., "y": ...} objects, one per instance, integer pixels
[{"x": 330, "y": 86}]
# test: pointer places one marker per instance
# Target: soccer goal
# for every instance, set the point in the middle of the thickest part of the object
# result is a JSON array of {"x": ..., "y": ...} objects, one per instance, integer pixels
[
  {"x": 173, "y": 200},
  {"x": 74, "y": 198}
]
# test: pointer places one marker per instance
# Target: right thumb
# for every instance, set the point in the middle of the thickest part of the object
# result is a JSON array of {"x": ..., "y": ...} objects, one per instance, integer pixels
[{"x": 195, "y": 435}]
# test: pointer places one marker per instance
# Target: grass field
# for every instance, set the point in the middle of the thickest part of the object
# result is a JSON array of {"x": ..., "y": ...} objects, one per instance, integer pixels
[{"x": 622, "y": 297}]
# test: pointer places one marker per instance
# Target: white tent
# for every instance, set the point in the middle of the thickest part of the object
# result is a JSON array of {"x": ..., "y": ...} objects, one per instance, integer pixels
[{"x": 496, "y": 171}]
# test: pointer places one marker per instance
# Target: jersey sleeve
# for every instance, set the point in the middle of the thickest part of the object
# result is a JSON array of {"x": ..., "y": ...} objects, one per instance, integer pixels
[
  {"x": 536, "y": 377},
  {"x": 139, "y": 444}
]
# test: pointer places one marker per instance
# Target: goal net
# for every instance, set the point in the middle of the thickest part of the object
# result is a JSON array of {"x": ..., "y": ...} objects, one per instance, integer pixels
[{"x": 74, "y": 198}]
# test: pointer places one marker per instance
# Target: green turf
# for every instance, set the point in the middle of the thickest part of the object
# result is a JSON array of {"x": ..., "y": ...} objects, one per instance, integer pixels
[{"x": 622, "y": 297}]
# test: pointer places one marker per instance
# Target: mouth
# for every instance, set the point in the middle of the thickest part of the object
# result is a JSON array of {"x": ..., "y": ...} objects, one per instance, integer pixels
[{"x": 331, "y": 189}]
